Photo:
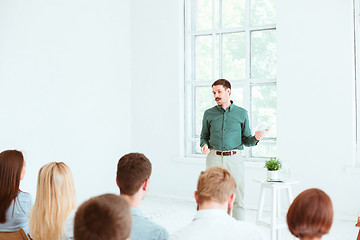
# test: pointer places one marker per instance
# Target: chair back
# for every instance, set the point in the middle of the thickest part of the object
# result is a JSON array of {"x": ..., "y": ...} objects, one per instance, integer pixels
[{"x": 19, "y": 235}]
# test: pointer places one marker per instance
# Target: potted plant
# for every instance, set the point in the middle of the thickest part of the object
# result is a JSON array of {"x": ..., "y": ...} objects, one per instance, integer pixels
[{"x": 273, "y": 166}]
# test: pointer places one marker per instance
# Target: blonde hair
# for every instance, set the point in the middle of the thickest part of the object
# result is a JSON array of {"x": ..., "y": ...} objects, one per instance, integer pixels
[
  {"x": 55, "y": 200},
  {"x": 215, "y": 184}
]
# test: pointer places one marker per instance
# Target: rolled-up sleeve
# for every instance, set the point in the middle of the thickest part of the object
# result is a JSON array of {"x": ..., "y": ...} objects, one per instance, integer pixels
[
  {"x": 246, "y": 137},
  {"x": 205, "y": 131}
]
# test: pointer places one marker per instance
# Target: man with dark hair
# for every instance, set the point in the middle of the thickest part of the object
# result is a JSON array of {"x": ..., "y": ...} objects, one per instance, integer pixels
[
  {"x": 132, "y": 177},
  {"x": 225, "y": 131},
  {"x": 105, "y": 217}
]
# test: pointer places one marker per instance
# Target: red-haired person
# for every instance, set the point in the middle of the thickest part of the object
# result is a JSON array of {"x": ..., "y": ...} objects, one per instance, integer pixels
[
  {"x": 310, "y": 215},
  {"x": 14, "y": 204}
]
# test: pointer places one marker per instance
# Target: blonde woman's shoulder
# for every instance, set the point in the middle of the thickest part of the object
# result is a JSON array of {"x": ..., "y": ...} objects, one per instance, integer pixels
[{"x": 69, "y": 226}]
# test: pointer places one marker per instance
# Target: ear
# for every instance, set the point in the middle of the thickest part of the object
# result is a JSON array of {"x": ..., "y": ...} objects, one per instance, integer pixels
[
  {"x": 196, "y": 197},
  {"x": 146, "y": 185},
  {"x": 229, "y": 91},
  {"x": 231, "y": 200}
]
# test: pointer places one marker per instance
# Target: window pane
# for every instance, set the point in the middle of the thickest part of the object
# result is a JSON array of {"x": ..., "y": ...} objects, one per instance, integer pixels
[
  {"x": 217, "y": 14},
  {"x": 263, "y": 109},
  {"x": 217, "y": 56},
  {"x": 203, "y": 10},
  {"x": 237, "y": 95},
  {"x": 264, "y": 149},
  {"x": 263, "y": 12},
  {"x": 203, "y": 100},
  {"x": 263, "y": 54},
  {"x": 233, "y": 13},
  {"x": 234, "y": 55},
  {"x": 203, "y": 57},
  {"x": 196, "y": 147}
]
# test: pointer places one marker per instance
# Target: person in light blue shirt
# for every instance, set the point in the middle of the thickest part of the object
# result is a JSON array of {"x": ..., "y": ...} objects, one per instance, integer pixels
[
  {"x": 132, "y": 177},
  {"x": 14, "y": 204}
]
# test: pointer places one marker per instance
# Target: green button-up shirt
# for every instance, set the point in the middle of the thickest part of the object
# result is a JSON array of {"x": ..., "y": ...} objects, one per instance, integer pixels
[{"x": 226, "y": 130}]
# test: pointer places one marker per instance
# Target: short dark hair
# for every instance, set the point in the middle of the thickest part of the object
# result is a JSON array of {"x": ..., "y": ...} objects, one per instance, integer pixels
[
  {"x": 105, "y": 217},
  {"x": 132, "y": 170},
  {"x": 310, "y": 214},
  {"x": 225, "y": 83}
]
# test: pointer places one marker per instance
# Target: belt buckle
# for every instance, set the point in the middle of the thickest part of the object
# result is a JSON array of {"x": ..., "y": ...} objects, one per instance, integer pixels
[{"x": 222, "y": 153}]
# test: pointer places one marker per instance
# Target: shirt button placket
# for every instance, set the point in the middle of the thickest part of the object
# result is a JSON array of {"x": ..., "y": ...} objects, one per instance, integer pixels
[{"x": 224, "y": 128}]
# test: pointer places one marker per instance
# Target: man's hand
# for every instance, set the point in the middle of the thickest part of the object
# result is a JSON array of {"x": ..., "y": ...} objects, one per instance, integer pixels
[
  {"x": 205, "y": 149},
  {"x": 260, "y": 134}
]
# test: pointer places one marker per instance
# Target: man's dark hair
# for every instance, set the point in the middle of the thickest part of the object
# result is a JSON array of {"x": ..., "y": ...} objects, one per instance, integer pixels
[
  {"x": 225, "y": 83},
  {"x": 105, "y": 217},
  {"x": 132, "y": 171}
]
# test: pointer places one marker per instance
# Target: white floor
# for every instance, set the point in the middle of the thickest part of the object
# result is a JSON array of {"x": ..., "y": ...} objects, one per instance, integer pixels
[{"x": 173, "y": 214}]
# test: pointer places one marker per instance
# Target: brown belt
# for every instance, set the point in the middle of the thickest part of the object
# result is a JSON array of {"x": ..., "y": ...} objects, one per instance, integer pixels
[{"x": 225, "y": 153}]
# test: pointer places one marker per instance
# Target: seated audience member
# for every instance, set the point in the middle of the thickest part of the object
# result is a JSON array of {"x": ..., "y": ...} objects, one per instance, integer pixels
[
  {"x": 310, "y": 215},
  {"x": 105, "y": 217},
  {"x": 14, "y": 204},
  {"x": 215, "y": 196},
  {"x": 133, "y": 173},
  {"x": 53, "y": 213}
]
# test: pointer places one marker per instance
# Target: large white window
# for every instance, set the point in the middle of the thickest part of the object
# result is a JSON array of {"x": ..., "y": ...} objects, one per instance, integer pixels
[{"x": 235, "y": 40}]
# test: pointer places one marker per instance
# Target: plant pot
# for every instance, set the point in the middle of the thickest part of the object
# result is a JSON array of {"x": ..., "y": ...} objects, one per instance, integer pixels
[{"x": 272, "y": 175}]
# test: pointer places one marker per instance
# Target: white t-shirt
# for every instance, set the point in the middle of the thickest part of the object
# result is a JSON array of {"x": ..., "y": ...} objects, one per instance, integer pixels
[
  {"x": 216, "y": 224},
  {"x": 69, "y": 227}
]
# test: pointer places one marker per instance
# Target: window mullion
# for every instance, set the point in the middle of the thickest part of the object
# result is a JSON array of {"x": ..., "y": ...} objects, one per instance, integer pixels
[{"x": 247, "y": 97}]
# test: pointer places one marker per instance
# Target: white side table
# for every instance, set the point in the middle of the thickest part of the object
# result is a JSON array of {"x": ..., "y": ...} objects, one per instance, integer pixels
[{"x": 275, "y": 188}]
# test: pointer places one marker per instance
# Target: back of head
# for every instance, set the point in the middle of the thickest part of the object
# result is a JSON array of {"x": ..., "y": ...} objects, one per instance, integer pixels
[
  {"x": 106, "y": 217},
  {"x": 55, "y": 200},
  {"x": 215, "y": 184},
  {"x": 225, "y": 83},
  {"x": 11, "y": 165},
  {"x": 132, "y": 170},
  {"x": 310, "y": 214}
]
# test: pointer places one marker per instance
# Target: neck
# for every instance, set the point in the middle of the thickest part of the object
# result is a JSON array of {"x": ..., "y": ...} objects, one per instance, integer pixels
[
  {"x": 134, "y": 201},
  {"x": 310, "y": 238},
  {"x": 226, "y": 105},
  {"x": 213, "y": 205}
]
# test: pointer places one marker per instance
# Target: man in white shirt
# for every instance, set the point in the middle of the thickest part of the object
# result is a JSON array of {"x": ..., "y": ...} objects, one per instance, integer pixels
[{"x": 215, "y": 196}]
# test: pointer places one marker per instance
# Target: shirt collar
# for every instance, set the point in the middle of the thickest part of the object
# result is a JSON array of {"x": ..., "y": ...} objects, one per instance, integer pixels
[
  {"x": 136, "y": 212},
  {"x": 211, "y": 213},
  {"x": 228, "y": 109}
]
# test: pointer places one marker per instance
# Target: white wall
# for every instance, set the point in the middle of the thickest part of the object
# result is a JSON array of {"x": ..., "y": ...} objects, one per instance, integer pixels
[
  {"x": 156, "y": 51},
  {"x": 65, "y": 87},
  {"x": 315, "y": 98}
]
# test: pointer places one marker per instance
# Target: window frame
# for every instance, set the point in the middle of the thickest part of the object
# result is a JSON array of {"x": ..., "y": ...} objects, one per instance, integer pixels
[{"x": 356, "y": 12}]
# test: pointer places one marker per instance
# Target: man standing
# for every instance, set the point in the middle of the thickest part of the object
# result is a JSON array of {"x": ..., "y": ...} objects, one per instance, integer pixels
[{"x": 225, "y": 131}]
